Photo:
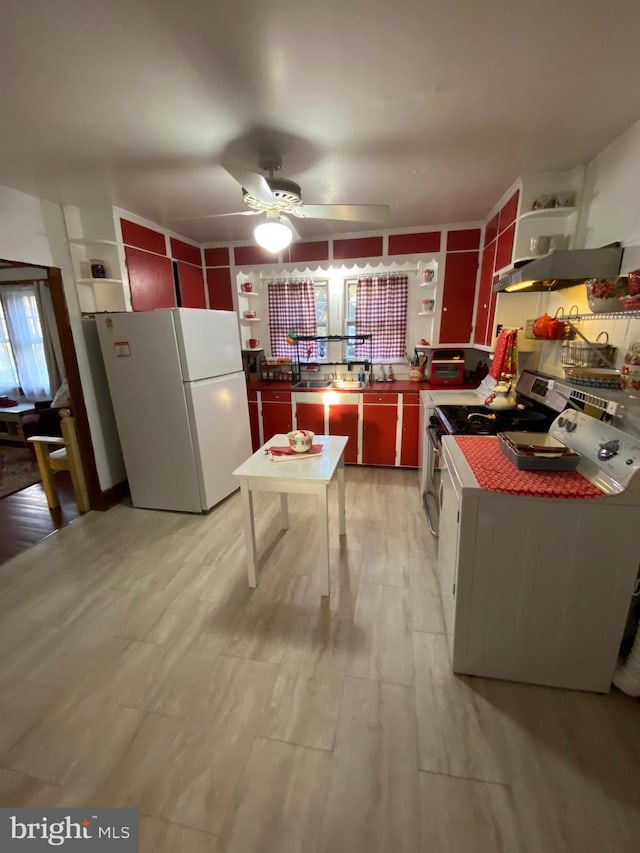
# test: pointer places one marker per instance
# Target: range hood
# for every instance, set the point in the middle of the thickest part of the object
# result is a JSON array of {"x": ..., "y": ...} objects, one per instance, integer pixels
[{"x": 564, "y": 268}]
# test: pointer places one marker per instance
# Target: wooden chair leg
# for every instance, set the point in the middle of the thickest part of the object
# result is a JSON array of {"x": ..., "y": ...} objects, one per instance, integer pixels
[
  {"x": 77, "y": 478},
  {"x": 46, "y": 474}
]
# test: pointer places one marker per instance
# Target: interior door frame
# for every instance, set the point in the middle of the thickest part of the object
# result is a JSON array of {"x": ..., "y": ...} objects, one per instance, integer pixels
[
  {"x": 61, "y": 311},
  {"x": 97, "y": 499}
]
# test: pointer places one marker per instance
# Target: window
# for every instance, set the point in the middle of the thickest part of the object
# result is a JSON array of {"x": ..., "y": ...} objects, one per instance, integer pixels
[
  {"x": 292, "y": 308},
  {"x": 375, "y": 305},
  {"x": 8, "y": 374},
  {"x": 22, "y": 328},
  {"x": 381, "y": 311},
  {"x": 350, "y": 291},
  {"x": 321, "y": 295}
]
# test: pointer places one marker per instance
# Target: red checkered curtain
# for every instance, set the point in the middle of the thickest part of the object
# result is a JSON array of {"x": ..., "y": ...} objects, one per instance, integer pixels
[
  {"x": 292, "y": 308},
  {"x": 381, "y": 310}
]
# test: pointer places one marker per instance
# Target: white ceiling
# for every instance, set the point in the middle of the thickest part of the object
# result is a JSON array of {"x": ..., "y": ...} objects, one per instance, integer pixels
[{"x": 432, "y": 106}]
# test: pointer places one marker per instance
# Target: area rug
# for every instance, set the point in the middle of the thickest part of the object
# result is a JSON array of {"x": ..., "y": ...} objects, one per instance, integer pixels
[{"x": 18, "y": 469}]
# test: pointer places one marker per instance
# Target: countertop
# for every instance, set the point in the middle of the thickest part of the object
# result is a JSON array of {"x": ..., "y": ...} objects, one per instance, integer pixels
[{"x": 400, "y": 386}]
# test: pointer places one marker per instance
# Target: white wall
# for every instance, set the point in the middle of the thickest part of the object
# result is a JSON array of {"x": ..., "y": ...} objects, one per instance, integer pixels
[{"x": 33, "y": 231}]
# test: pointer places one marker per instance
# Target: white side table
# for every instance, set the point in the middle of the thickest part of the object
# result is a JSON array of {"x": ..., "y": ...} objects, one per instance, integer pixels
[{"x": 304, "y": 476}]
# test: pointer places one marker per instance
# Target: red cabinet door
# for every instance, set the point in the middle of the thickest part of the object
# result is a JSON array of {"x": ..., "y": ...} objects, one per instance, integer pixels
[
  {"x": 458, "y": 297},
  {"x": 504, "y": 251},
  {"x": 508, "y": 212},
  {"x": 410, "y": 426},
  {"x": 150, "y": 280},
  {"x": 310, "y": 416},
  {"x": 219, "y": 287},
  {"x": 254, "y": 418},
  {"x": 484, "y": 294},
  {"x": 276, "y": 414},
  {"x": 379, "y": 434},
  {"x": 254, "y": 423},
  {"x": 343, "y": 420},
  {"x": 191, "y": 284}
]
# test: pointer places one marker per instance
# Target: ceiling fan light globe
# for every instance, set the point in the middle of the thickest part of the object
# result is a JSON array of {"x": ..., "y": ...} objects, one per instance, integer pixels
[{"x": 273, "y": 236}]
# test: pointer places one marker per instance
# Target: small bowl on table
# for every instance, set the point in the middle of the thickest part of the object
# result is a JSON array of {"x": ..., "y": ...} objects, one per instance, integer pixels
[{"x": 300, "y": 440}]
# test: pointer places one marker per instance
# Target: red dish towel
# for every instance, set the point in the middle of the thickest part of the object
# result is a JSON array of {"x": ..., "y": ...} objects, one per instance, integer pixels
[
  {"x": 280, "y": 453},
  {"x": 505, "y": 359},
  {"x": 496, "y": 473}
]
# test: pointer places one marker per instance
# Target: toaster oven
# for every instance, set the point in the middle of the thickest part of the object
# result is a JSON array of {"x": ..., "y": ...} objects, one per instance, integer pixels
[{"x": 447, "y": 368}]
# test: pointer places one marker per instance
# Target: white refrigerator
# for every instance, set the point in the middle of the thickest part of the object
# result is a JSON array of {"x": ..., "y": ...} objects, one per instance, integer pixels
[{"x": 180, "y": 400}]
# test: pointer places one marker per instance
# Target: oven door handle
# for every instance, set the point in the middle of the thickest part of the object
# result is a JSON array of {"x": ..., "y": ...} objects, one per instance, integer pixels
[{"x": 435, "y": 444}]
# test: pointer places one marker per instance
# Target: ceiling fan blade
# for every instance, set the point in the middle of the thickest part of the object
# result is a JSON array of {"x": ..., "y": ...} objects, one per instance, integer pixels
[
  {"x": 379, "y": 213},
  {"x": 288, "y": 222},
  {"x": 216, "y": 215},
  {"x": 252, "y": 182}
]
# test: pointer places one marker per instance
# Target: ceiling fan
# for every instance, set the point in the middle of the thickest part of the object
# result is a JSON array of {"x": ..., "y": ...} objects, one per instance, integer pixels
[{"x": 279, "y": 198}]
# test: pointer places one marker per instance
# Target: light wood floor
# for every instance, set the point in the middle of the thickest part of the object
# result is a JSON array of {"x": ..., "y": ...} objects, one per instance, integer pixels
[{"x": 137, "y": 668}]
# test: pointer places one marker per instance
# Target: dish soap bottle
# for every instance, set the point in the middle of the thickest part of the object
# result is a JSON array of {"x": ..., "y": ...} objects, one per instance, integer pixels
[{"x": 390, "y": 376}]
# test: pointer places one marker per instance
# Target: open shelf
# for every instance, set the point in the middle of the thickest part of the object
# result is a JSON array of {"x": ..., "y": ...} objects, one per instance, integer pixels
[
  {"x": 426, "y": 313},
  {"x": 99, "y": 281},
  {"x": 428, "y": 283},
  {"x": 248, "y": 293},
  {"x": 250, "y": 320},
  {"x": 548, "y": 212},
  {"x": 93, "y": 242}
]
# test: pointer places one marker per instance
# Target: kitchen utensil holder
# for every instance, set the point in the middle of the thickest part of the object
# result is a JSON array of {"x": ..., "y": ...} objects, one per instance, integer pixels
[{"x": 588, "y": 354}]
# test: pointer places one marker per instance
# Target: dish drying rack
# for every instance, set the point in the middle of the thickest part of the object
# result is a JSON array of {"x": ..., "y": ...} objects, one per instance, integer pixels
[
  {"x": 299, "y": 364},
  {"x": 587, "y": 353}
]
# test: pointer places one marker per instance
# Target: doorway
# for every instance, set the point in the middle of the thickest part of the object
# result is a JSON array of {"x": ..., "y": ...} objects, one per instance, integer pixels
[{"x": 25, "y": 517}]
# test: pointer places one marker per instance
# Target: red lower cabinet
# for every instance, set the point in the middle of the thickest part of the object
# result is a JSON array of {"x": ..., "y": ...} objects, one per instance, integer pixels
[
  {"x": 410, "y": 426},
  {"x": 254, "y": 418},
  {"x": 379, "y": 419},
  {"x": 310, "y": 416},
  {"x": 276, "y": 413},
  {"x": 150, "y": 280},
  {"x": 343, "y": 420}
]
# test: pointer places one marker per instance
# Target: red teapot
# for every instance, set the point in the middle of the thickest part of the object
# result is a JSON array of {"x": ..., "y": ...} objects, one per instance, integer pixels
[{"x": 541, "y": 325}]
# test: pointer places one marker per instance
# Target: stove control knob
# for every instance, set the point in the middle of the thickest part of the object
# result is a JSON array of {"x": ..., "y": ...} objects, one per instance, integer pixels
[
  {"x": 609, "y": 449},
  {"x": 562, "y": 422},
  {"x": 571, "y": 425}
]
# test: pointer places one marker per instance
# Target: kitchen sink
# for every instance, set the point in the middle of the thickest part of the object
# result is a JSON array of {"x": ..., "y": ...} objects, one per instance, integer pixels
[
  {"x": 313, "y": 383},
  {"x": 353, "y": 384}
]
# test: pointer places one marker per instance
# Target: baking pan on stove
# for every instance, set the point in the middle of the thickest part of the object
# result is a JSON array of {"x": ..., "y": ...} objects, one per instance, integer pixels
[{"x": 530, "y": 451}]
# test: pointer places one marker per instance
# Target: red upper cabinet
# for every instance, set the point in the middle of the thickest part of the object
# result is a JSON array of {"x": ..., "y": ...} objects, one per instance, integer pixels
[
  {"x": 484, "y": 294},
  {"x": 458, "y": 296},
  {"x": 492, "y": 230},
  {"x": 150, "y": 280},
  {"x": 142, "y": 237},
  {"x": 508, "y": 212},
  {"x": 191, "y": 284},
  {"x": 219, "y": 287},
  {"x": 181, "y": 251},
  {"x": 504, "y": 252}
]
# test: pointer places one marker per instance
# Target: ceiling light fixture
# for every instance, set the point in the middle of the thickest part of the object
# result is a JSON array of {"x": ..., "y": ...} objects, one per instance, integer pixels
[{"x": 273, "y": 235}]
